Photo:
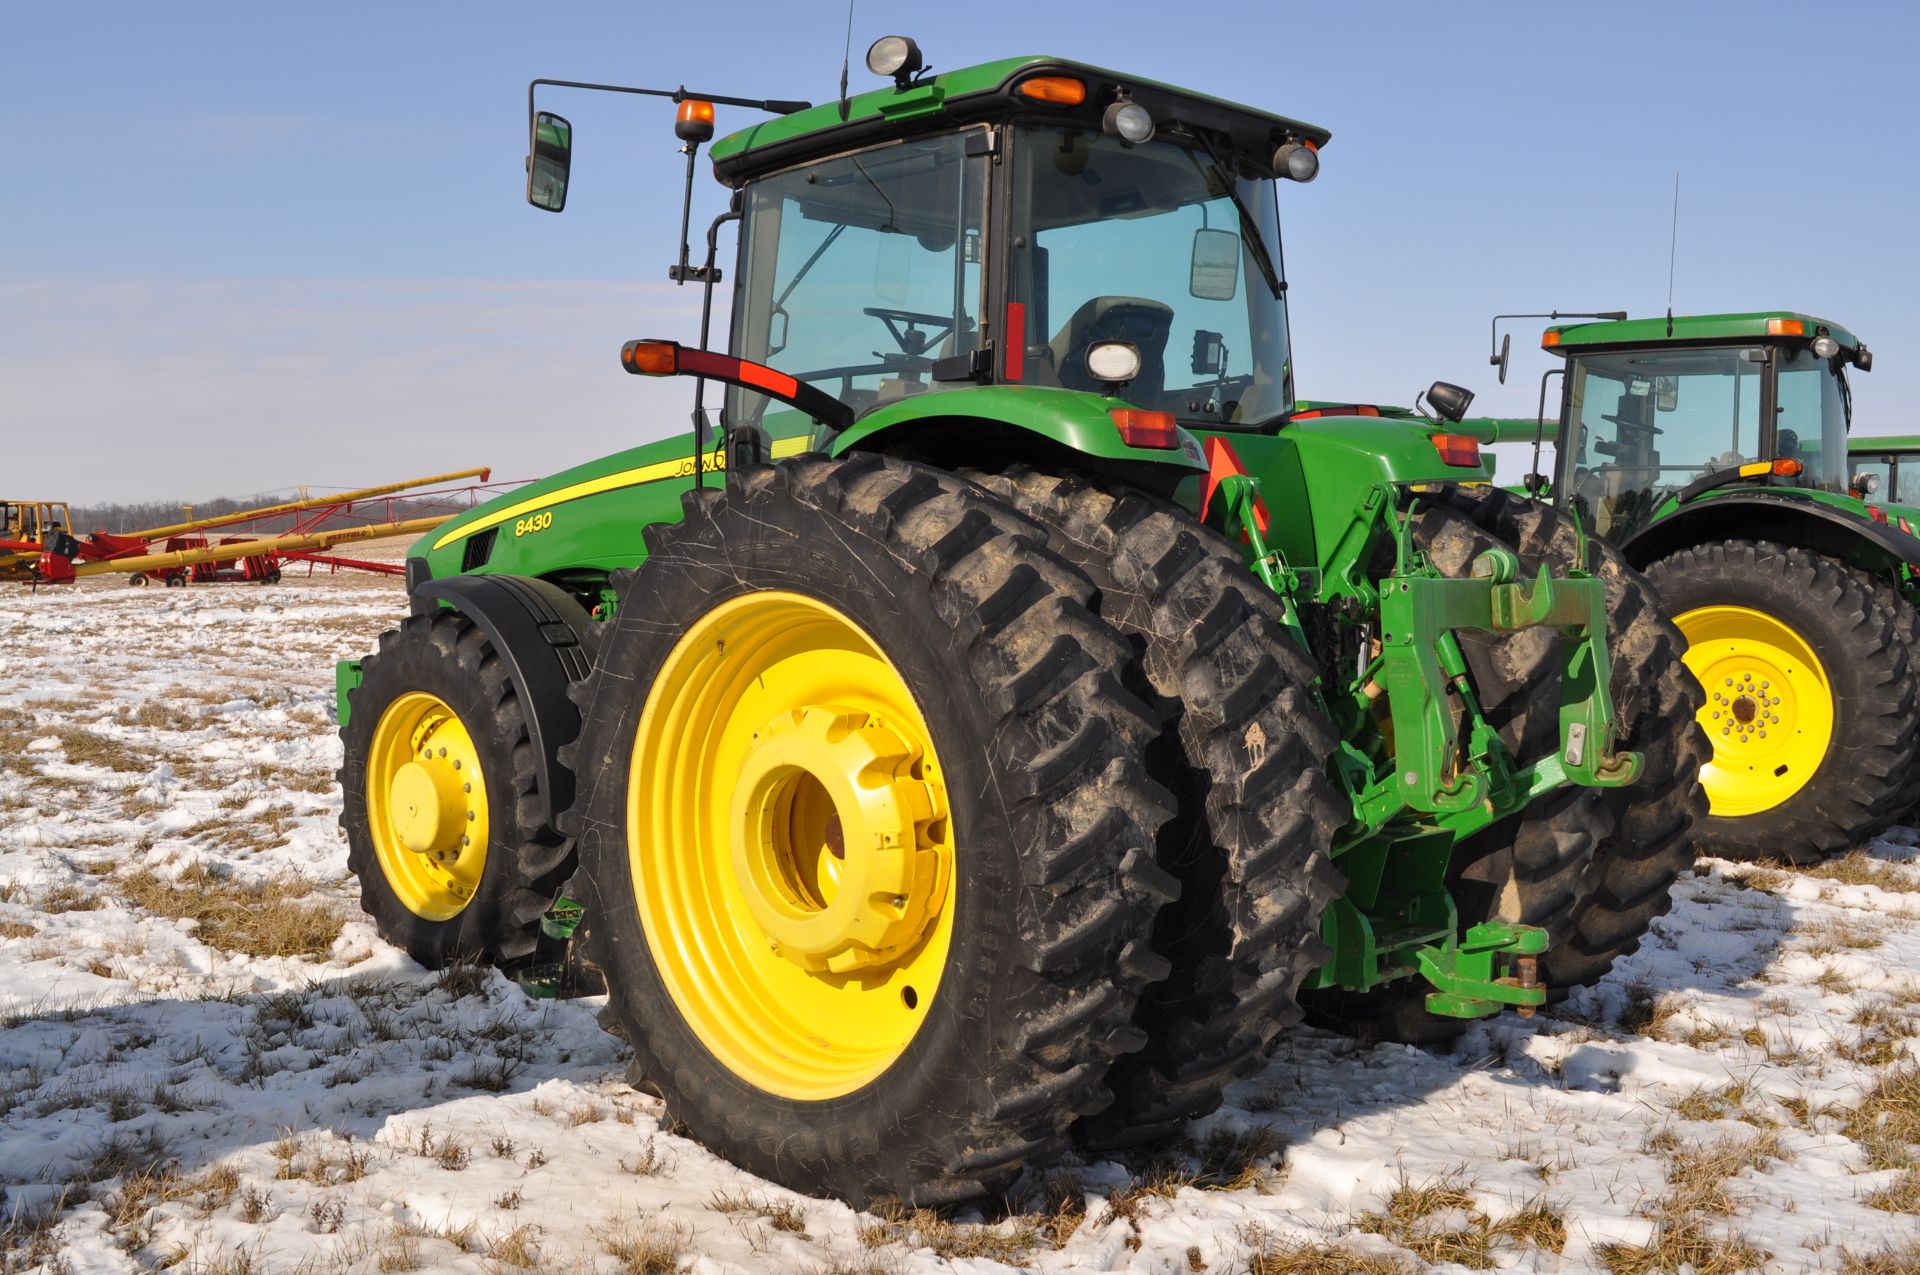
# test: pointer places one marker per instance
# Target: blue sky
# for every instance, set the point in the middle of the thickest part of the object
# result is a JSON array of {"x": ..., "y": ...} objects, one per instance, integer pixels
[{"x": 251, "y": 245}]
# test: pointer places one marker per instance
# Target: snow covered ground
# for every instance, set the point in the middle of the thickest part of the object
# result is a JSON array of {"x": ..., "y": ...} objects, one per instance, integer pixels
[{"x": 209, "y": 1062}]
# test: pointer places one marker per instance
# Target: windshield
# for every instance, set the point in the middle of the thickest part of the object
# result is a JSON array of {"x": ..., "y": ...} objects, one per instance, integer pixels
[
  {"x": 859, "y": 273},
  {"x": 1118, "y": 242},
  {"x": 1646, "y": 423}
]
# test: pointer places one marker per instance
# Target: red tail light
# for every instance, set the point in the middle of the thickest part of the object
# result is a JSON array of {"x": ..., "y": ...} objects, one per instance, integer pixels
[
  {"x": 1459, "y": 450},
  {"x": 1146, "y": 429}
]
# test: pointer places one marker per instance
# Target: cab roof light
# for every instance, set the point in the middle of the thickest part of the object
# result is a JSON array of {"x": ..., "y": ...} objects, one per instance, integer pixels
[
  {"x": 1462, "y": 451},
  {"x": 693, "y": 122},
  {"x": 1140, "y": 428},
  {"x": 1549, "y": 338},
  {"x": 1786, "y": 327},
  {"x": 1055, "y": 90}
]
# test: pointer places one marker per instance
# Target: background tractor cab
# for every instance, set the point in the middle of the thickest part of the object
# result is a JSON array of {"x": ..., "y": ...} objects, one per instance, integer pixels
[
  {"x": 1714, "y": 450},
  {"x": 1886, "y": 471}
]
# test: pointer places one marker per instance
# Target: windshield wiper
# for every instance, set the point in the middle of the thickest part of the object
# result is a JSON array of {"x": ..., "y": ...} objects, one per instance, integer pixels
[{"x": 1249, "y": 228}]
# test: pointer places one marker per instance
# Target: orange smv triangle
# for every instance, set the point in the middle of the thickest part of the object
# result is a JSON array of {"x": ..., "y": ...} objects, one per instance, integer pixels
[{"x": 1222, "y": 461}]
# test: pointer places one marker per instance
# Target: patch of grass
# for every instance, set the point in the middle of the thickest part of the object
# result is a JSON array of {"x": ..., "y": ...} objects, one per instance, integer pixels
[
  {"x": 1698, "y": 1172},
  {"x": 646, "y": 1249},
  {"x": 781, "y": 1216},
  {"x": 1831, "y": 935},
  {"x": 1008, "y": 1242},
  {"x": 17, "y": 930},
  {"x": 270, "y": 919},
  {"x": 1894, "y": 1259},
  {"x": 1765, "y": 880},
  {"x": 68, "y": 897},
  {"x": 1647, "y": 1013},
  {"x": 1887, "y": 1122},
  {"x": 85, "y": 747},
  {"x": 1729, "y": 1102},
  {"x": 159, "y": 714},
  {"x": 1902, "y": 1195},
  {"x": 516, "y": 1247},
  {"x": 1300, "y": 1257},
  {"x": 1682, "y": 1246},
  {"x": 1856, "y": 867},
  {"x": 1436, "y": 1223}
]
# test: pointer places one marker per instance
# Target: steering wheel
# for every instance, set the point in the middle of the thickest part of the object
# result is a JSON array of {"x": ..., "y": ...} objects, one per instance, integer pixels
[{"x": 904, "y": 327}]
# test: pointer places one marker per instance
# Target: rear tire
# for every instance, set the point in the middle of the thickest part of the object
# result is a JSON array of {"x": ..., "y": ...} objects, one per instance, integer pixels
[
  {"x": 412, "y": 898},
  {"x": 949, "y": 605},
  {"x": 1865, "y": 682},
  {"x": 1594, "y": 867},
  {"x": 1243, "y": 747}
]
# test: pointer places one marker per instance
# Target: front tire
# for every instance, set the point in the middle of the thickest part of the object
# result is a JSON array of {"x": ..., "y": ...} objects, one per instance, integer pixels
[
  {"x": 1811, "y": 697},
  {"x": 440, "y": 811},
  {"x": 866, "y": 840}
]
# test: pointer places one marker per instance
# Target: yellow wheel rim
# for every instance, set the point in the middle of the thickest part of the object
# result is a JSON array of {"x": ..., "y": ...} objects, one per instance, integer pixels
[
  {"x": 790, "y": 846},
  {"x": 427, "y": 806},
  {"x": 1769, "y": 707}
]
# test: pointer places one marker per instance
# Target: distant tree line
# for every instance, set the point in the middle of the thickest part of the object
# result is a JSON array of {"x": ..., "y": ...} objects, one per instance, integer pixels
[{"x": 142, "y": 515}]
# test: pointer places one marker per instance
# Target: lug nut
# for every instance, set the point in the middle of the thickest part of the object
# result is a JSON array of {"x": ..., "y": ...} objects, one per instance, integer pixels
[{"x": 470, "y": 816}]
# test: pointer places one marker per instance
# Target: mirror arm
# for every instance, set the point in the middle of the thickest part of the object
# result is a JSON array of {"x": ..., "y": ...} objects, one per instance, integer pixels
[
  {"x": 773, "y": 106},
  {"x": 1553, "y": 316},
  {"x": 706, "y": 321}
]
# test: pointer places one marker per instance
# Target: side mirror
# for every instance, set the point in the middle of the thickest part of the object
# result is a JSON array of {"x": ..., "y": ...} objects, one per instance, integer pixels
[
  {"x": 1215, "y": 271},
  {"x": 1209, "y": 353},
  {"x": 549, "y": 156},
  {"x": 1501, "y": 359},
  {"x": 1451, "y": 401},
  {"x": 1666, "y": 393}
]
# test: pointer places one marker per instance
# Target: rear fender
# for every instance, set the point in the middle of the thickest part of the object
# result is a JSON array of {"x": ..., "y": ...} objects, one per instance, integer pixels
[{"x": 1782, "y": 518}]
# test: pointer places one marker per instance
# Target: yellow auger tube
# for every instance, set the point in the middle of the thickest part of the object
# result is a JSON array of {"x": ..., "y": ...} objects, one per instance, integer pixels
[
  {"x": 248, "y": 548},
  {"x": 313, "y": 502}
]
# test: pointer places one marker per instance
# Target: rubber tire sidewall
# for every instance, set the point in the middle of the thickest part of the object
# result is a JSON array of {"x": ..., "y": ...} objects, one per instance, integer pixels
[{"x": 415, "y": 661}]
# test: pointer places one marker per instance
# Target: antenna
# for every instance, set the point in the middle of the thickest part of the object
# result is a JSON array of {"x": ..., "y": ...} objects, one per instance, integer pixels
[
  {"x": 1673, "y": 249},
  {"x": 846, "y": 55}
]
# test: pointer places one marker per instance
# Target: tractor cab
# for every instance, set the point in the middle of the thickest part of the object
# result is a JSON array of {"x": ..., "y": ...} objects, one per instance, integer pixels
[
  {"x": 1656, "y": 411},
  {"x": 1885, "y": 468},
  {"x": 27, "y": 528}
]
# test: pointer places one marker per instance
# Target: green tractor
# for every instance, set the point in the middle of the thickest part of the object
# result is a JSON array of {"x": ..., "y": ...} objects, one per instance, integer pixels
[
  {"x": 1713, "y": 451},
  {"x": 973, "y": 743},
  {"x": 1886, "y": 469}
]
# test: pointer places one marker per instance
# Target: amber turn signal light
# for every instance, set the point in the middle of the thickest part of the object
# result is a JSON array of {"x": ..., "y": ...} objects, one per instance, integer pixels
[
  {"x": 1460, "y": 450},
  {"x": 650, "y": 358},
  {"x": 1055, "y": 90},
  {"x": 1146, "y": 429}
]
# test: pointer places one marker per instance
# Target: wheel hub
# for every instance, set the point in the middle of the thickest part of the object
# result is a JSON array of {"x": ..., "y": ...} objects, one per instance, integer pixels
[
  {"x": 1769, "y": 710},
  {"x": 829, "y": 839},
  {"x": 427, "y": 805},
  {"x": 429, "y": 810}
]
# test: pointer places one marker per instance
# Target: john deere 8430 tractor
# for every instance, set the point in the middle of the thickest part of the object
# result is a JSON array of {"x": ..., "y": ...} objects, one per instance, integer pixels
[
  {"x": 1713, "y": 450},
  {"x": 951, "y": 753}
]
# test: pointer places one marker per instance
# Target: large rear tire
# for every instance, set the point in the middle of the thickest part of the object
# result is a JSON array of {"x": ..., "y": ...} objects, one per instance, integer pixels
[
  {"x": 1594, "y": 867},
  {"x": 1243, "y": 747},
  {"x": 1811, "y": 697},
  {"x": 866, "y": 838},
  {"x": 442, "y": 820}
]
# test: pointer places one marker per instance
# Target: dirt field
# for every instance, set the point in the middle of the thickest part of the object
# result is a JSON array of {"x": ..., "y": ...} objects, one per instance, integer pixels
[{"x": 209, "y": 1062}]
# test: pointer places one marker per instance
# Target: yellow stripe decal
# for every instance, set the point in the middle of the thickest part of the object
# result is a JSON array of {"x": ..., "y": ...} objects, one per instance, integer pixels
[{"x": 680, "y": 467}]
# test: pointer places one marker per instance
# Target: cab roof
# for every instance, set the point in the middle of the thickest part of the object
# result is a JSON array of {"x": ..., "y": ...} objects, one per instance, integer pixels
[
  {"x": 981, "y": 92},
  {"x": 1866, "y": 444},
  {"x": 1690, "y": 329}
]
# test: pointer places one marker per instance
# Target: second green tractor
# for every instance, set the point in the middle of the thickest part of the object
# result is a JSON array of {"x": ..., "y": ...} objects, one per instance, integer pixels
[{"x": 981, "y": 738}]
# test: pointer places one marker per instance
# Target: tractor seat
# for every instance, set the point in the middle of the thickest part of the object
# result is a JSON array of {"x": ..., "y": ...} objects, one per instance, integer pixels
[{"x": 1146, "y": 324}]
